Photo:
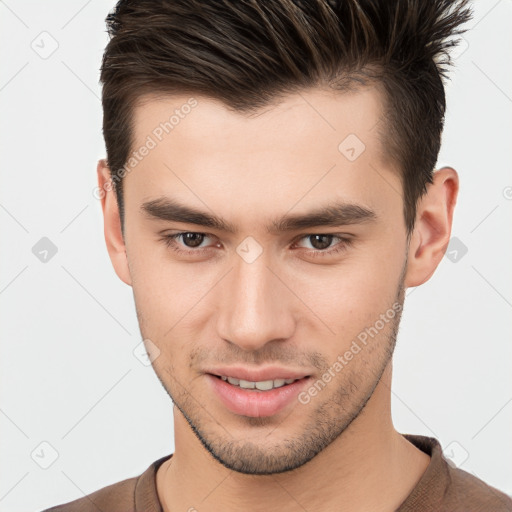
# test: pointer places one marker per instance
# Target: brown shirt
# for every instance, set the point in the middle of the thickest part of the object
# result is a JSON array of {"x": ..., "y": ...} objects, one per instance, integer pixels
[{"x": 442, "y": 488}]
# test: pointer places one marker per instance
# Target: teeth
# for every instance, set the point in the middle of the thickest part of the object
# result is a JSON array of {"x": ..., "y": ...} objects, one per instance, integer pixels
[
  {"x": 264, "y": 385},
  {"x": 246, "y": 384}
]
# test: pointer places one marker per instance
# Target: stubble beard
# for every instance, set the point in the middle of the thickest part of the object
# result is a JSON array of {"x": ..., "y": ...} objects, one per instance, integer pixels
[{"x": 328, "y": 420}]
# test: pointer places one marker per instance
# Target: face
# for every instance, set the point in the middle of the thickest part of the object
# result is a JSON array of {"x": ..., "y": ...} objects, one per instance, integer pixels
[{"x": 293, "y": 259}]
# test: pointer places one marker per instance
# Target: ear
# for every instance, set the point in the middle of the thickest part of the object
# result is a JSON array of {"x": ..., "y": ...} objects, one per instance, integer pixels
[
  {"x": 431, "y": 233},
  {"x": 112, "y": 223}
]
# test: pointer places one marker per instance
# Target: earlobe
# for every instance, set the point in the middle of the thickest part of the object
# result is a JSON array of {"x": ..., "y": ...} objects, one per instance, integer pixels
[
  {"x": 432, "y": 230},
  {"x": 112, "y": 223}
]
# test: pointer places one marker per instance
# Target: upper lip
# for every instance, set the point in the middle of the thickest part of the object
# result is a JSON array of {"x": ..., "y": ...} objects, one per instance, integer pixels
[{"x": 257, "y": 374}]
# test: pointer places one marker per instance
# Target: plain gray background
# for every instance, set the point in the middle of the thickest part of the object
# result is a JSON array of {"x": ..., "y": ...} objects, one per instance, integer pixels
[{"x": 74, "y": 397}]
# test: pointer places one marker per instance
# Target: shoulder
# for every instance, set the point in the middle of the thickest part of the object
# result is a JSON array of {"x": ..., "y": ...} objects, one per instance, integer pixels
[
  {"x": 118, "y": 497},
  {"x": 129, "y": 495},
  {"x": 467, "y": 489},
  {"x": 447, "y": 488}
]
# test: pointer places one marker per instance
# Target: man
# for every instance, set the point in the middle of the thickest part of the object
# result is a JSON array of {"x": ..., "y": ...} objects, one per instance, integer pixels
[{"x": 269, "y": 193}]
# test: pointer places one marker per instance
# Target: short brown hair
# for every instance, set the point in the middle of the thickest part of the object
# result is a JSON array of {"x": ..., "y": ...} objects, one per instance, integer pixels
[{"x": 249, "y": 53}]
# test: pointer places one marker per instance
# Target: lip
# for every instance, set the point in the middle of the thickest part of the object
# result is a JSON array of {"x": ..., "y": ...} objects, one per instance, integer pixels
[
  {"x": 257, "y": 374},
  {"x": 254, "y": 403}
]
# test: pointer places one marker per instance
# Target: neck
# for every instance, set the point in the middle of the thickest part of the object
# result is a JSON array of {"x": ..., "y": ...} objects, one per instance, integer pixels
[{"x": 369, "y": 467}]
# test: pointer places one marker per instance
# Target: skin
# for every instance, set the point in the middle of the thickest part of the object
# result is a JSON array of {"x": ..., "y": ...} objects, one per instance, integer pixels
[{"x": 339, "y": 451}]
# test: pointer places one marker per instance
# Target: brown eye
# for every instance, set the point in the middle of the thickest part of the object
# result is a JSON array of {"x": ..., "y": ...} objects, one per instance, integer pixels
[
  {"x": 187, "y": 242},
  {"x": 192, "y": 239},
  {"x": 320, "y": 242},
  {"x": 324, "y": 245}
]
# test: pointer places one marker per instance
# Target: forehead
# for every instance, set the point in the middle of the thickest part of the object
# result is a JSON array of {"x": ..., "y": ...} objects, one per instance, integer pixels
[
  {"x": 311, "y": 147},
  {"x": 285, "y": 123}
]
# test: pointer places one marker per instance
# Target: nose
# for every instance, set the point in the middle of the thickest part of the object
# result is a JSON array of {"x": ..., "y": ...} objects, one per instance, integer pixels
[{"x": 256, "y": 307}]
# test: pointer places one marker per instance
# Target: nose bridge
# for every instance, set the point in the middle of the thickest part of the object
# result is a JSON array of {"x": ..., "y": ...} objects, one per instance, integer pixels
[{"x": 253, "y": 309}]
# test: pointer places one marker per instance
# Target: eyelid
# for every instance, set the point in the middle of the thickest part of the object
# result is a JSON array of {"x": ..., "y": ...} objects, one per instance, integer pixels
[
  {"x": 345, "y": 240},
  {"x": 170, "y": 237},
  {"x": 341, "y": 236},
  {"x": 344, "y": 237}
]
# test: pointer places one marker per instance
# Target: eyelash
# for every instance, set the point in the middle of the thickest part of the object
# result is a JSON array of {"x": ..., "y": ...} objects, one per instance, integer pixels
[{"x": 344, "y": 243}]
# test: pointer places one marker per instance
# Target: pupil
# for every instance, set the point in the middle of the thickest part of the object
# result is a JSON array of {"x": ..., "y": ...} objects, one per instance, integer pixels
[
  {"x": 195, "y": 238},
  {"x": 320, "y": 245}
]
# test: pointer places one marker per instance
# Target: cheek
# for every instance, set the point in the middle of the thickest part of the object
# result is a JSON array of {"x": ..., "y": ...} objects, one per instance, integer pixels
[
  {"x": 351, "y": 296},
  {"x": 339, "y": 300},
  {"x": 171, "y": 298}
]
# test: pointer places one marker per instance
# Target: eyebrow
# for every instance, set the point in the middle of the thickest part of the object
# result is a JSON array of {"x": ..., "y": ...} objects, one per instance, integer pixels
[{"x": 334, "y": 214}]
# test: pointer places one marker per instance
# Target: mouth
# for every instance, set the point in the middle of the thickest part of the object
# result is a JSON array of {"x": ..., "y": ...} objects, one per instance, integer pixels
[
  {"x": 257, "y": 398},
  {"x": 262, "y": 385}
]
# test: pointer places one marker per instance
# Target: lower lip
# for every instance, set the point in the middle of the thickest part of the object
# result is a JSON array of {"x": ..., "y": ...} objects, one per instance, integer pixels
[{"x": 254, "y": 403}]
